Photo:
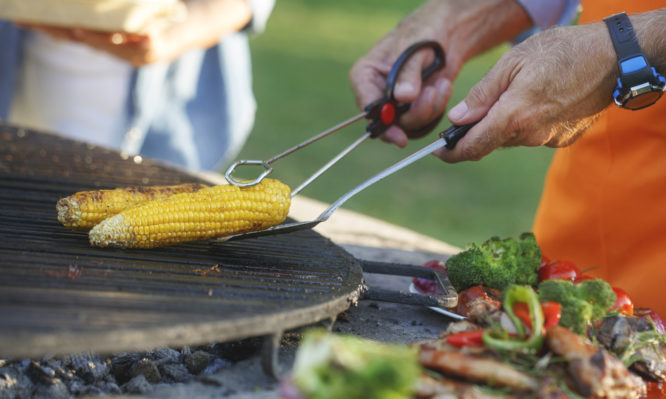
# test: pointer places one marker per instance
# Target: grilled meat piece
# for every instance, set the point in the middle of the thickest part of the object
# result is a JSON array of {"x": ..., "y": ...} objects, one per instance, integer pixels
[
  {"x": 476, "y": 368},
  {"x": 480, "y": 304},
  {"x": 594, "y": 371},
  {"x": 445, "y": 388},
  {"x": 550, "y": 390},
  {"x": 618, "y": 333}
]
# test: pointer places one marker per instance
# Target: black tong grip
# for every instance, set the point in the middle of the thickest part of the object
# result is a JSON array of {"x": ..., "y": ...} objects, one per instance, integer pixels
[
  {"x": 454, "y": 133},
  {"x": 386, "y": 111}
]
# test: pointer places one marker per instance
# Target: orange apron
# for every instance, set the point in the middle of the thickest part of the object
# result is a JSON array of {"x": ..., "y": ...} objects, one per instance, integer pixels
[{"x": 604, "y": 200}]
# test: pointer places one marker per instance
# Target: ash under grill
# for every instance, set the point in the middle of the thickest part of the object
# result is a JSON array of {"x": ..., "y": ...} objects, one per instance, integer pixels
[{"x": 58, "y": 295}]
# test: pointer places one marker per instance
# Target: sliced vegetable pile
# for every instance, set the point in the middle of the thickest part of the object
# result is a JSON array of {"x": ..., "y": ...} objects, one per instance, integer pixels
[
  {"x": 499, "y": 263},
  {"x": 535, "y": 328}
]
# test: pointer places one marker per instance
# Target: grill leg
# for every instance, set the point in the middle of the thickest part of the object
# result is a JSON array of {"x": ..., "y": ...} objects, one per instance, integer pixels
[
  {"x": 270, "y": 349},
  {"x": 269, "y": 355}
]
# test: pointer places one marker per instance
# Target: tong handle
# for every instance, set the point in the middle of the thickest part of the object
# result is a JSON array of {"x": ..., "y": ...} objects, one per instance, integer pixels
[
  {"x": 438, "y": 63},
  {"x": 385, "y": 111},
  {"x": 454, "y": 133}
]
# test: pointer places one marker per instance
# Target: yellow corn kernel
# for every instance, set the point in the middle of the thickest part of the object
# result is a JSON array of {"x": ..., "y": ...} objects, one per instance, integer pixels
[
  {"x": 210, "y": 212},
  {"x": 83, "y": 210}
]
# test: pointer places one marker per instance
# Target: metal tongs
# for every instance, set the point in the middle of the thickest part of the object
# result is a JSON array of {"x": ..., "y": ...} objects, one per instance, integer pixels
[{"x": 382, "y": 114}]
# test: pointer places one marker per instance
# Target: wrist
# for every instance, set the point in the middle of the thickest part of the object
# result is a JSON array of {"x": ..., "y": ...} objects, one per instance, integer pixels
[{"x": 650, "y": 29}]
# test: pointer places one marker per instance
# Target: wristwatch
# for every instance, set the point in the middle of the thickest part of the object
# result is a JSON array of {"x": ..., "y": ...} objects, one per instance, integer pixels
[{"x": 639, "y": 84}]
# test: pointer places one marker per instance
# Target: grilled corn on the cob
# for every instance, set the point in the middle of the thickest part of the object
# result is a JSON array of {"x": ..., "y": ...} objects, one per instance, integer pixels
[
  {"x": 210, "y": 212},
  {"x": 83, "y": 210}
]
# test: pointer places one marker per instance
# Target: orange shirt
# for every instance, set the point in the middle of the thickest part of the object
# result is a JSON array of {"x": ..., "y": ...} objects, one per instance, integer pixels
[{"x": 604, "y": 201}]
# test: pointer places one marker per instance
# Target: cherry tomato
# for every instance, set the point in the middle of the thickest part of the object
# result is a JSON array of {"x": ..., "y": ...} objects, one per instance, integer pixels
[
  {"x": 623, "y": 303},
  {"x": 559, "y": 270},
  {"x": 544, "y": 260},
  {"x": 427, "y": 286},
  {"x": 466, "y": 338}
]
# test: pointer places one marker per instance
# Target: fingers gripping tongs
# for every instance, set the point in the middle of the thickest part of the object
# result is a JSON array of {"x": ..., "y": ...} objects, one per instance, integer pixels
[{"x": 382, "y": 114}]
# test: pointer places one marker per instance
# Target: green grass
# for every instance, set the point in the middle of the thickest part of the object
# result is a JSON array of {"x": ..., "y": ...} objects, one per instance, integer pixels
[{"x": 301, "y": 65}]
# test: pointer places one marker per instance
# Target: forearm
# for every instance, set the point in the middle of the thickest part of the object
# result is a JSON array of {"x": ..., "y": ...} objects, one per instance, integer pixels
[
  {"x": 210, "y": 20},
  {"x": 650, "y": 28}
]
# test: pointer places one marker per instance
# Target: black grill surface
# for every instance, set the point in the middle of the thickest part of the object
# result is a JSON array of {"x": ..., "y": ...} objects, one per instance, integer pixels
[{"x": 58, "y": 295}]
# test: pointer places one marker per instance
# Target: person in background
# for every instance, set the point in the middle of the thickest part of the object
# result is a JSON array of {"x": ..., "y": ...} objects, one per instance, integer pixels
[
  {"x": 181, "y": 94},
  {"x": 603, "y": 204}
]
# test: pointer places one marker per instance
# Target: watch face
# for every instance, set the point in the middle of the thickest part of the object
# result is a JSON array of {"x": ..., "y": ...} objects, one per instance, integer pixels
[{"x": 643, "y": 100}]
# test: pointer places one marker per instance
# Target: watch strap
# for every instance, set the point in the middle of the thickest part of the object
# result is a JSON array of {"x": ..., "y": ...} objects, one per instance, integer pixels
[
  {"x": 622, "y": 34},
  {"x": 635, "y": 71}
]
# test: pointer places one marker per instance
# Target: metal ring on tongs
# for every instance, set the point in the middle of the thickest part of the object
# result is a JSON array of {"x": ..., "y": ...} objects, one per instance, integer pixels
[{"x": 247, "y": 183}]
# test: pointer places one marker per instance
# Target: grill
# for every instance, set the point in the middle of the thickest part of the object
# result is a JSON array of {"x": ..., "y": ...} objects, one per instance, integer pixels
[{"x": 58, "y": 295}]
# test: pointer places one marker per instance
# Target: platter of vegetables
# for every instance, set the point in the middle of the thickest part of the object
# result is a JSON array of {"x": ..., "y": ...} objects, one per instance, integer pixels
[{"x": 533, "y": 327}]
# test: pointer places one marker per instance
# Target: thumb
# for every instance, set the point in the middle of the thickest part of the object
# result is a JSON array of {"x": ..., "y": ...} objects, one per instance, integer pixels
[{"x": 480, "y": 98}]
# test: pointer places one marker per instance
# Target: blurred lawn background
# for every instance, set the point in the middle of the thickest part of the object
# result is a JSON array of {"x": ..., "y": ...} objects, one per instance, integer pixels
[{"x": 301, "y": 65}]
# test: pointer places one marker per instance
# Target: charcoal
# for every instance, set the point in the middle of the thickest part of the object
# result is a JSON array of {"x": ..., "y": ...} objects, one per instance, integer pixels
[
  {"x": 197, "y": 361},
  {"x": 165, "y": 355},
  {"x": 138, "y": 385},
  {"x": 55, "y": 389},
  {"x": 216, "y": 365},
  {"x": 148, "y": 369},
  {"x": 93, "y": 390},
  {"x": 77, "y": 386},
  {"x": 121, "y": 365},
  {"x": 237, "y": 350},
  {"x": 39, "y": 374},
  {"x": 175, "y": 372},
  {"x": 14, "y": 384},
  {"x": 109, "y": 388},
  {"x": 61, "y": 372},
  {"x": 89, "y": 367}
]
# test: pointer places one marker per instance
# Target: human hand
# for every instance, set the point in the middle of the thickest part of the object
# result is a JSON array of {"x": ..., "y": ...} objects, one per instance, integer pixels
[
  {"x": 544, "y": 91},
  {"x": 464, "y": 28}
]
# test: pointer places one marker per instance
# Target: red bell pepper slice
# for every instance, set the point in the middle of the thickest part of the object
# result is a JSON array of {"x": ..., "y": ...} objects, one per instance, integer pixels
[{"x": 466, "y": 338}]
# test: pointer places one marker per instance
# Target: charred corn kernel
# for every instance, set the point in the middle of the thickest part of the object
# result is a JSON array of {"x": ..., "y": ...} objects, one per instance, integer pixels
[
  {"x": 210, "y": 212},
  {"x": 83, "y": 210}
]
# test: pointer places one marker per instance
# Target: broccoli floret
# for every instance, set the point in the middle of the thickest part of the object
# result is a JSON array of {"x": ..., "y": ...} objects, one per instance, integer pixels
[
  {"x": 496, "y": 263},
  {"x": 577, "y": 315},
  {"x": 582, "y": 304},
  {"x": 599, "y": 293},
  {"x": 528, "y": 260}
]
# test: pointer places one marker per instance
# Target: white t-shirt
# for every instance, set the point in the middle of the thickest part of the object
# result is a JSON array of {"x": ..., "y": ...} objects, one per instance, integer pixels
[{"x": 71, "y": 89}]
